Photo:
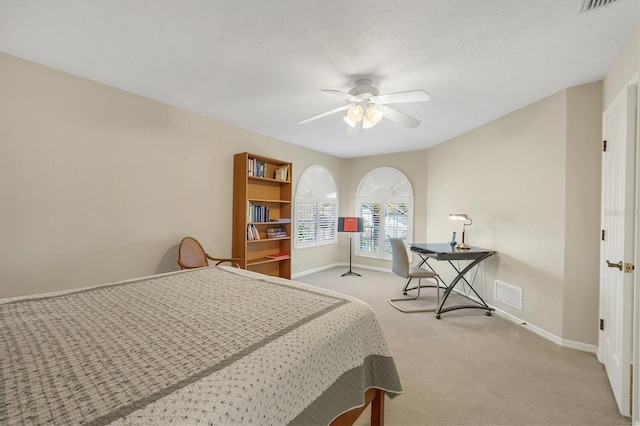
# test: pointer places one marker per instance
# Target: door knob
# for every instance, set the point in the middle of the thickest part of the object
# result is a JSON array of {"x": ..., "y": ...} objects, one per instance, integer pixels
[{"x": 614, "y": 265}]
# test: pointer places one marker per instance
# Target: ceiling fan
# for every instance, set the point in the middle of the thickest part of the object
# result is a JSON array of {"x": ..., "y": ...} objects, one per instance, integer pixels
[{"x": 366, "y": 107}]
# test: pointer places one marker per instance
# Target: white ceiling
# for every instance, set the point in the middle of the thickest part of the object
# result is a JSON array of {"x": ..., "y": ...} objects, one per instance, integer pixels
[{"x": 260, "y": 64}]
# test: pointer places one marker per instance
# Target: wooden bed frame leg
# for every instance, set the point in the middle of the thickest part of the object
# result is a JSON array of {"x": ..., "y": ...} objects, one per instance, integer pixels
[
  {"x": 372, "y": 397},
  {"x": 377, "y": 409}
]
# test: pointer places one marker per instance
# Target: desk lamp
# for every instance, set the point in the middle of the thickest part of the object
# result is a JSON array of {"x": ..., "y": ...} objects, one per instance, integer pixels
[{"x": 468, "y": 221}]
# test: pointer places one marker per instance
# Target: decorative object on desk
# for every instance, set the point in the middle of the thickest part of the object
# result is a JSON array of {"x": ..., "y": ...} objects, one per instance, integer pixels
[
  {"x": 401, "y": 267},
  {"x": 453, "y": 239},
  {"x": 350, "y": 224},
  {"x": 467, "y": 221}
]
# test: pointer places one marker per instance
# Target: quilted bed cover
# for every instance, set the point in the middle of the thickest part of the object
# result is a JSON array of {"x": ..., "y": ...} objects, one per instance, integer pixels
[{"x": 216, "y": 345}]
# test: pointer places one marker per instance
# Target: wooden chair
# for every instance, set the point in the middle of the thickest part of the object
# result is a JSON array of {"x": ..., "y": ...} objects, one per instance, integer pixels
[{"x": 191, "y": 255}]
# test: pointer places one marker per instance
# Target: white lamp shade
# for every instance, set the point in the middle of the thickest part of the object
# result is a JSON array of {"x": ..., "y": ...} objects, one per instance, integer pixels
[
  {"x": 461, "y": 216},
  {"x": 349, "y": 121},
  {"x": 372, "y": 117},
  {"x": 458, "y": 216},
  {"x": 355, "y": 113}
]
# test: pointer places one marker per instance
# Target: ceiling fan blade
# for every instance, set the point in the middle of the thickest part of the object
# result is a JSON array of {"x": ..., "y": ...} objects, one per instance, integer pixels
[
  {"x": 352, "y": 132},
  {"x": 345, "y": 95},
  {"x": 399, "y": 117},
  {"x": 402, "y": 97},
  {"x": 324, "y": 114}
]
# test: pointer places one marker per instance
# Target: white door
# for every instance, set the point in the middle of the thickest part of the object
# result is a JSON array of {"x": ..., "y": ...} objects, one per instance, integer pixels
[{"x": 616, "y": 254}]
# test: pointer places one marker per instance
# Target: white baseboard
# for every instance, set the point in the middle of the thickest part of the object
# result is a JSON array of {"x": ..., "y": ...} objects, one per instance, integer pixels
[
  {"x": 369, "y": 267},
  {"x": 333, "y": 265},
  {"x": 584, "y": 347},
  {"x": 571, "y": 344},
  {"x": 314, "y": 270},
  {"x": 540, "y": 332},
  {"x": 549, "y": 336}
]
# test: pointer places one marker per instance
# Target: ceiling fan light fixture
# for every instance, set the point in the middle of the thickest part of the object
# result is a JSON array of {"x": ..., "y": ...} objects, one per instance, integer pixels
[
  {"x": 372, "y": 117},
  {"x": 355, "y": 113},
  {"x": 366, "y": 106},
  {"x": 349, "y": 121}
]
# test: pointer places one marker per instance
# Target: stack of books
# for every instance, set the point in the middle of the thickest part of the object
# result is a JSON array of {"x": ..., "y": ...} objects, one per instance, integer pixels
[{"x": 276, "y": 233}]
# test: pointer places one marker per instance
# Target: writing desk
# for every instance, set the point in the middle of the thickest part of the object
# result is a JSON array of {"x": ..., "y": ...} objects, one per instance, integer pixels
[{"x": 449, "y": 252}]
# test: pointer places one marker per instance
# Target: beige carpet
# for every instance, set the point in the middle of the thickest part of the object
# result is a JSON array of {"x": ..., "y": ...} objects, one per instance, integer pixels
[{"x": 471, "y": 369}]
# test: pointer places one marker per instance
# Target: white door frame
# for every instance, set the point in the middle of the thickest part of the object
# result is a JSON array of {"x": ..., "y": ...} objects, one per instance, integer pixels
[
  {"x": 632, "y": 350},
  {"x": 636, "y": 309}
]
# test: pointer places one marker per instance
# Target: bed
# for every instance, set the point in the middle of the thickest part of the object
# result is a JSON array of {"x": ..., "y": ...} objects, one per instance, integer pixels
[{"x": 216, "y": 345}]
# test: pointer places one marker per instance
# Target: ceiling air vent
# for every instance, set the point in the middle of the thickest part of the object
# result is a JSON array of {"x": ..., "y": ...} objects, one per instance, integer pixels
[{"x": 588, "y": 5}]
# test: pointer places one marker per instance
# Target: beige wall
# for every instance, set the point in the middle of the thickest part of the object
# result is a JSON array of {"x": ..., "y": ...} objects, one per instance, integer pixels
[
  {"x": 582, "y": 218},
  {"x": 99, "y": 185},
  {"x": 622, "y": 70},
  {"x": 509, "y": 176}
]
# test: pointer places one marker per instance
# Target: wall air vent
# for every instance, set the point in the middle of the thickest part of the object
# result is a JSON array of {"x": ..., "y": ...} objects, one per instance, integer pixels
[
  {"x": 509, "y": 294},
  {"x": 588, "y": 5}
]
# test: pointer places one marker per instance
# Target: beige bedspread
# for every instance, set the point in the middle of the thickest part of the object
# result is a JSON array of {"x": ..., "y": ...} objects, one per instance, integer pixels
[{"x": 215, "y": 345}]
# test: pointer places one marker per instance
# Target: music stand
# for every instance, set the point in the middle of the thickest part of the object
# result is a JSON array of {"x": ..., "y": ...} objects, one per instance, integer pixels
[{"x": 350, "y": 224}]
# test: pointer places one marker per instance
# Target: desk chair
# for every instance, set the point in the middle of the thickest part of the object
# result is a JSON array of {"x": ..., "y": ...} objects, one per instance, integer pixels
[
  {"x": 191, "y": 255},
  {"x": 402, "y": 268}
]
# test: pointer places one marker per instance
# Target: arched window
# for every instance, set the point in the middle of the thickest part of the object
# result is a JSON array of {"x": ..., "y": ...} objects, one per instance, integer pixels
[
  {"x": 316, "y": 208},
  {"x": 385, "y": 201}
]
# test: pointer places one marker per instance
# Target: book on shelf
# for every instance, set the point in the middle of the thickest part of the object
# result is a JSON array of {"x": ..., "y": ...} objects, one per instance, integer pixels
[
  {"x": 276, "y": 233},
  {"x": 281, "y": 220},
  {"x": 257, "y": 168},
  {"x": 252, "y": 233},
  {"x": 282, "y": 173},
  {"x": 277, "y": 256},
  {"x": 258, "y": 213}
]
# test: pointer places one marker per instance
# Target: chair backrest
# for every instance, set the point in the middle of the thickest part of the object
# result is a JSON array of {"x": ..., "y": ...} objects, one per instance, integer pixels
[
  {"x": 191, "y": 254},
  {"x": 400, "y": 265}
]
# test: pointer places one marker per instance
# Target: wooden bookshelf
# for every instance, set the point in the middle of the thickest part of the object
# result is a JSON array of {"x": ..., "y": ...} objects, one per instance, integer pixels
[{"x": 262, "y": 200}]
